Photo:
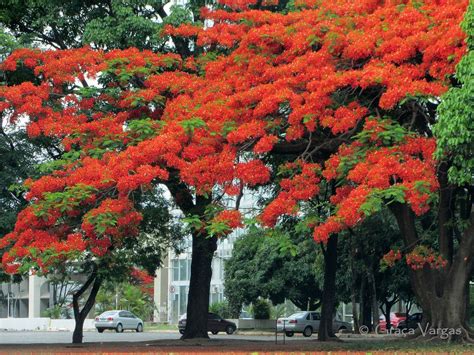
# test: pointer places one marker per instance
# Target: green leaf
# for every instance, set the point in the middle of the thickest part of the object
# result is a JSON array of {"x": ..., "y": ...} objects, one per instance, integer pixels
[
  {"x": 191, "y": 124},
  {"x": 194, "y": 221}
]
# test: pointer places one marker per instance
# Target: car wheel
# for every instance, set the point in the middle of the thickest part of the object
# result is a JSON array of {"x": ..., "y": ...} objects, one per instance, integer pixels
[
  {"x": 119, "y": 328},
  {"x": 215, "y": 332},
  {"x": 229, "y": 330},
  {"x": 289, "y": 334},
  {"x": 307, "y": 332},
  {"x": 100, "y": 330},
  {"x": 181, "y": 331},
  {"x": 139, "y": 328}
]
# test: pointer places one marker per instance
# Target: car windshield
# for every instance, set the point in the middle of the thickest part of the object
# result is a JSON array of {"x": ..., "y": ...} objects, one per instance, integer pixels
[{"x": 297, "y": 315}]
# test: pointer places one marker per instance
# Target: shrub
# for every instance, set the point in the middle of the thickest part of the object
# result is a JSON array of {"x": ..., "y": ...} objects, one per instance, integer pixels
[
  {"x": 221, "y": 308},
  {"x": 53, "y": 312},
  {"x": 261, "y": 309}
]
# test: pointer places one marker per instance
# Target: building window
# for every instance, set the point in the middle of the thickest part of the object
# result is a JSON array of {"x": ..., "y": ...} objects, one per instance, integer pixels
[
  {"x": 175, "y": 266},
  {"x": 181, "y": 269}
]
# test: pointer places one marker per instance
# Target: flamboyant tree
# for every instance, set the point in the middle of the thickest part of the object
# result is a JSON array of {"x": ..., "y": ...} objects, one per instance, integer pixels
[
  {"x": 344, "y": 92},
  {"x": 349, "y": 92},
  {"x": 102, "y": 260},
  {"x": 106, "y": 25}
]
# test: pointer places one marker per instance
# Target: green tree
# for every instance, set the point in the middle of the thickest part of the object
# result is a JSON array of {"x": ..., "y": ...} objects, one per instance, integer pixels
[
  {"x": 73, "y": 23},
  {"x": 282, "y": 263},
  {"x": 455, "y": 127}
]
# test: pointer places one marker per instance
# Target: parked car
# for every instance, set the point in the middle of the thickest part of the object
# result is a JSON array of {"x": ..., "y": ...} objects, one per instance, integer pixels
[
  {"x": 307, "y": 323},
  {"x": 340, "y": 326},
  {"x": 395, "y": 319},
  {"x": 118, "y": 320},
  {"x": 215, "y": 324},
  {"x": 411, "y": 322}
]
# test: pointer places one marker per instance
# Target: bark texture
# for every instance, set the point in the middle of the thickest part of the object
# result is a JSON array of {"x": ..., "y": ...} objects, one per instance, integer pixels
[
  {"x": 375, "y": 307},
  {"x": 198, "y": 298},
  {"x": 329, "y": 292}
]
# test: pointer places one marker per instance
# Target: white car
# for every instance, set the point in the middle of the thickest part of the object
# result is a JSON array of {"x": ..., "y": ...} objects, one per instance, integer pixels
[
  {"x": 307, "y": 323},
  {"x": 118, "y": 320}
]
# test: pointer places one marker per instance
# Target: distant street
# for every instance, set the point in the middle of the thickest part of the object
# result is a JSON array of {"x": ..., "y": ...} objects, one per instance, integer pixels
[{"x": 63, "y": 337}]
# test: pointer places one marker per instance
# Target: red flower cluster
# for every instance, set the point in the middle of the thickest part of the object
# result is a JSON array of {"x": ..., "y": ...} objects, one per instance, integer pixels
[
  {"x": 423, "y": 256},
  {"x": 232, "y": 218},
  {"x": 144, "y": 280},
  {"x": 391, "y": 257},
  {"x": 301, "y": 186}
]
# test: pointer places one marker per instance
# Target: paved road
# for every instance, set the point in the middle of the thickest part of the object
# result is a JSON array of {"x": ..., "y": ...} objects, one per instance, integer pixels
[{"x": 38, "y": 337}]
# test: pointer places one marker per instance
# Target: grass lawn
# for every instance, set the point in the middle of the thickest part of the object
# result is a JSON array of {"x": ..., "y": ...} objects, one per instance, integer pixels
[
  {"x": 149, "y": 326},
  {"x": 393, "y": 347},
  {"x": 234, "y": 346}
]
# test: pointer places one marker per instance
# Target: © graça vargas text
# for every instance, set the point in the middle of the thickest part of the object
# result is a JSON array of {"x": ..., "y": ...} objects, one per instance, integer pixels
[{"x": 426, "y": 330}]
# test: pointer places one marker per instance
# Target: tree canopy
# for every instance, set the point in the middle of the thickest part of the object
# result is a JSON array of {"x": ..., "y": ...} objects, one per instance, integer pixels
[{"x": 304, "y": 80}]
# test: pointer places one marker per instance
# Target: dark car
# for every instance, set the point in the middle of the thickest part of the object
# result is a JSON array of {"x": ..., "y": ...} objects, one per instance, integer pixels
[
  {"x": 215, "y": 324},
  {"x": 411, "y": 322}
]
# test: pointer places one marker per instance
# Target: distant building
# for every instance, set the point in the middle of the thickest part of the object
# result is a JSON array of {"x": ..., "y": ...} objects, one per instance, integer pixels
[{"x": 27, "y": 299}]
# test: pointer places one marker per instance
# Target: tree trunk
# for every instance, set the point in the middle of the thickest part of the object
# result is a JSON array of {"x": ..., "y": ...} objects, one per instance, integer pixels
[
  {"x": 441, "y": 293},
  {"x": 329, "y": 292},
  {"x": 198, "y": 298},
  {"x": 388, "y": 321},
  {"x": 375, "y": 307},
  {"x": 467, "y": 319},
  {"x": 365, "y": 305},
  {"x": 203, "y": 250},
  {"x": 81, "y": 314},
  {"x": 386, "y": 309},
  {"x": 355, "y": 315}
]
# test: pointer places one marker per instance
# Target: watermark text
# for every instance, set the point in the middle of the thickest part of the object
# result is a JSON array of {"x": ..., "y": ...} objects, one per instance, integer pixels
[{"x": 424, "y": 330}]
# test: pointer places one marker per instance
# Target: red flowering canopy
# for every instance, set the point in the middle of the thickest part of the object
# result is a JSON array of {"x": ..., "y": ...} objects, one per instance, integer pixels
[
  {"x": 340, "y": 87},
  {"x": 347, "y": 89}
]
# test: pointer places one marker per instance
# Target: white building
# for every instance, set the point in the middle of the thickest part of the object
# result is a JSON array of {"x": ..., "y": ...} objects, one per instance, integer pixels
[{"x": 27, "y": 299}]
